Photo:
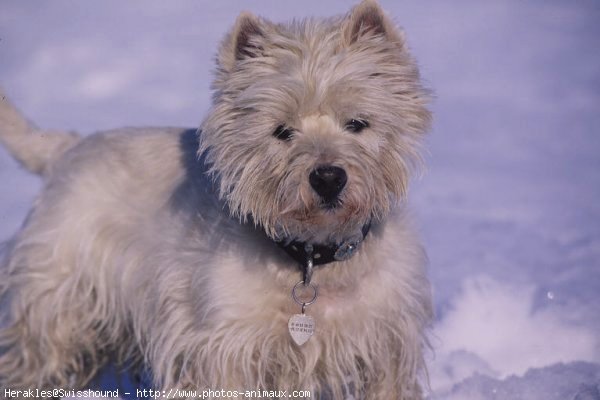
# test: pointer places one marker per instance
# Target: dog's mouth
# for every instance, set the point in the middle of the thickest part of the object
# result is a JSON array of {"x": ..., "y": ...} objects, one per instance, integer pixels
[
  {"x": 326, "y": 215},
  {"x": 322, "y": 222},
  {"x": 316, "y": 209},
  {"x": 330, "y": 205}
]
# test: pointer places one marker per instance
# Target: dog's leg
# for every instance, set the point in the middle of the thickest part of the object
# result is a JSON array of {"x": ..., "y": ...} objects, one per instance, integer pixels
[{"x": 50, "y": 338}]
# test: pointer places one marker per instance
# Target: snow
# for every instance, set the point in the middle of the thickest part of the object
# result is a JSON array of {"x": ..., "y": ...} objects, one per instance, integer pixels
[
  {"x": 508, "y": 207},
  {"x": 573, "y": 381}
]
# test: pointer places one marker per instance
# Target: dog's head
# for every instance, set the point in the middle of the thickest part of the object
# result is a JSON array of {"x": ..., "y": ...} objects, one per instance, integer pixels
[{"x": 315, "y": 125}]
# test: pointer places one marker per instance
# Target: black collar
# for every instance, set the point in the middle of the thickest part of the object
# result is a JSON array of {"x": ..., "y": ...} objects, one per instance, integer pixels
[{"x": 322, "y": 253}]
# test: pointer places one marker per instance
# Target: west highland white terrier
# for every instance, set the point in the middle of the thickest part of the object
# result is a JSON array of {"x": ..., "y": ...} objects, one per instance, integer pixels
[{"x": 268, "y": 250}]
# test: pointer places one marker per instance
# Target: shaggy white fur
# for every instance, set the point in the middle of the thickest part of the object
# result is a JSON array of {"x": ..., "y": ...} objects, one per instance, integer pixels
[{"x": 157, "y": 245}]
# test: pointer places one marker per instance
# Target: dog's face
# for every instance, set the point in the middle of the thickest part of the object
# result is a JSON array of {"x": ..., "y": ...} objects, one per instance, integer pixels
[{"x": 315, "y": 125}]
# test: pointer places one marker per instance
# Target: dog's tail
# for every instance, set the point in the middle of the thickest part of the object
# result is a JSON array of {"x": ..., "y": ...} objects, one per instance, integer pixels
[{"x": 35, "y": 149}]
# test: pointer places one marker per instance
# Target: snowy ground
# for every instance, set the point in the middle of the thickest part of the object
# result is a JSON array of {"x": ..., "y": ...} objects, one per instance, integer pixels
[{"x": 509, "y": 206}]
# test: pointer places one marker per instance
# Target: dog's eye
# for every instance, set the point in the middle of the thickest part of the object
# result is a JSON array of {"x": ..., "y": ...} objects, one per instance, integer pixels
[
  {"x": 356, "y": 125},
  {"x": 282, "y": 132}
]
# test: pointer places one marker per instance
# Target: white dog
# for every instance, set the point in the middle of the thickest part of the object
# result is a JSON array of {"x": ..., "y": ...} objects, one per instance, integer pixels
[{"x": 193, "y": 252}]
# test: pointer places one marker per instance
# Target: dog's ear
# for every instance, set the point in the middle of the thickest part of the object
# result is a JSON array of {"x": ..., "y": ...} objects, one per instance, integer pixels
[
  {"x": 245, "y": 40},
  {"x": 367, "y": 20}
]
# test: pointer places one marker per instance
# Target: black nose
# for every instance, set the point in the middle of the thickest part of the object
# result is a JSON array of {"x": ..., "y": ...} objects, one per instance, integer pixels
[{"x": 328, "y": 181}]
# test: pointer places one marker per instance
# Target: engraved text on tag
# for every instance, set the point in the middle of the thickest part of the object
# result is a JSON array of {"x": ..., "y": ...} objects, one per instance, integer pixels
[{"x": 301, "y": 328}]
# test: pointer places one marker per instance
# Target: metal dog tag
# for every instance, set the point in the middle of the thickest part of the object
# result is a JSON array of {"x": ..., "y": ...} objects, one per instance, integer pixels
[{"x": 301, "y": 327}]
